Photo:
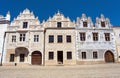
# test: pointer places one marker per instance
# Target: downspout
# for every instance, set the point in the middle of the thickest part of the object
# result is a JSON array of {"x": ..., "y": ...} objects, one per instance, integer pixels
[
  {"x": 44, "y": 49},
  {"x": 3, "y": 49}
]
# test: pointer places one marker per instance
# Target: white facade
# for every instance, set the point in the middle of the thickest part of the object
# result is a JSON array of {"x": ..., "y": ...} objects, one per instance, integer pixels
[
  {"x": 89, "y": 45},
  {"x": 4, "y": 22},
  {"x": 25, "y": 35}
]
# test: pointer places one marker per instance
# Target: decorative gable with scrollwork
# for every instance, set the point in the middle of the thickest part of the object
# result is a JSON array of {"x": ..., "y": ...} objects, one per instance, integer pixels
[
  {"x": 52, "y": 22},
  {"x": 25, "y": 16}
]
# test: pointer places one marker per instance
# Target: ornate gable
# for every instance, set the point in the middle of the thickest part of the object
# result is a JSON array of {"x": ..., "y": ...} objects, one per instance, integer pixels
[
  {"x": 58, "y": 18},
  {"x": 84, "y": 22},
  {"x": 25, "y": 16},
  {"x": 102, "y": 22}
]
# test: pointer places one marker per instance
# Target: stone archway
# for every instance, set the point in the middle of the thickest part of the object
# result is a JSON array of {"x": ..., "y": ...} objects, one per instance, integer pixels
[
  {"x": 22, "y": 53},
  {"x": 109, "y": 57},
  {"x": 36, "y": 58}
]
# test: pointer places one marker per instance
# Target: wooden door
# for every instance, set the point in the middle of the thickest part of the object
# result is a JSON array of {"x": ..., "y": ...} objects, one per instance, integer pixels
[
  {"x": 36, "y": 58},
  {"x": 109, "y": 57}
]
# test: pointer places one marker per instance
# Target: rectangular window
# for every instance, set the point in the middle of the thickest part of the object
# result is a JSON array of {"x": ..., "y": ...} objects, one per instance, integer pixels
[
  {"x": 82, "y": 36},
  {"x": 59, "y": 38},
  {"x": 22, "y": 57},
  {"x": 59, "y": 24},
  {"x": 83, "y": 55},
  {"x": 95, "y": 36},
  {"x": 95, "y": 56},
  {"x": 36, "y": 38},
  {"x": 13, "y": 38},
  {"x": 25, "y": 24},
  {"x": 84, "y": 24},
  {"x": 51, "y": 38},
  {"x": 12, "y": 57},
  {"x": 51, "y": 55},
  {"x": 22, "y": 37},
  {"x": 68, "y": 38},
  {"x": 107, "y": 36},
  {"x": 69, "y": 55},
  {"x": 103, "y": 24}
]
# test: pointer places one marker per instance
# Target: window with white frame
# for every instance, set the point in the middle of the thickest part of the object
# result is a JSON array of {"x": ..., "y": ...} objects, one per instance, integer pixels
[
  {"x": 82, "y": 36},
  {"x": 95, "y": 36},
  {"x": 25, "y": 24},
  {"x": 36, "y": 38},
  {"x": 13, "y": 38},
  {"x": 22, "y": 37},
  {"x": 107, "y": 36},
  {"x": 95, "y": 55}
]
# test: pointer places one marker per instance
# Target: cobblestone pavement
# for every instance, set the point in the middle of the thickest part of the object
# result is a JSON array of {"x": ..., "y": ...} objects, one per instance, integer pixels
[{"x": 79, "y": 71}]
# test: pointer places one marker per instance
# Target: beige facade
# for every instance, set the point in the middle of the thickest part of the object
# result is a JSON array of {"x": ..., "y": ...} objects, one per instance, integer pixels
[
  {"x": 60, "y": 49},
  {"x": 117, "y": 41}
]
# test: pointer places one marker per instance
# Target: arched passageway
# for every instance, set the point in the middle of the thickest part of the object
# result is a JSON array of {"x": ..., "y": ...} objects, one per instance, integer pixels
[{"x": 109, "y": 57}]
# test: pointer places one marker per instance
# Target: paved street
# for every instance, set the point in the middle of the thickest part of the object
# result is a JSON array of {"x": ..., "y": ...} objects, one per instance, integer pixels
[{"x": 79, "y": 71}]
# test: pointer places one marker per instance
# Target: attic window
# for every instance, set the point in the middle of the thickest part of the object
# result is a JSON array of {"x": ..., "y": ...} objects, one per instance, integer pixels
[
  {"x": 84, "y": 24},
  {"x": 59, "y": 24},
  {"x": 103, "y": 24},
  {"x": 25, "y": 24}
]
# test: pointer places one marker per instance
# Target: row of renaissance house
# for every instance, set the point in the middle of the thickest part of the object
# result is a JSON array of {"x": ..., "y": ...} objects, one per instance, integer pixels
[{"x": 58, "y": 40}]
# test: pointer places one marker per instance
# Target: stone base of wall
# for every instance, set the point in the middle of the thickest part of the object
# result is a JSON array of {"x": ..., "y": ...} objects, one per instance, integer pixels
[
  {"x": 17, "y": 64},
  {"x": 50, "y": 62},
  {"x": 65, "y": 62},
  {"x": 70, "y": 62},
  {"x": 89, "y": 62}
]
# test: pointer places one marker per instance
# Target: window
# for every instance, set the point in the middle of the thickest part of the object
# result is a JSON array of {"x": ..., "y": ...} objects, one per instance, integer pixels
[
  {"x": 103, "y": 24},
  {"x": 25, "y": 24},
  {"x": 95, "y": 36},
  {"x": 107, "y": 36},
  {"x": 68, "y": 38},
  {"x": 51, "y": 55},
  {"x": 22, "y": 57},
  {"x": 59, "y": 38},
  {"x": 12, "y": 57},
  {"x": 59, "y": 24},
  {"x": 51, "y": 38},
  {"x": 22, "y": 37},
  {"x": 69, "y": 55},
  {"x": 84, "y": 24},
  {"x": 82, "y": 36},
  {"x": 119, "y": 35},
  {"x": 13, "y": 38},
  {"x": 36, "y": 38},
  {"x": 95, "y": 55},
  {"x": 83, "y": 55}
]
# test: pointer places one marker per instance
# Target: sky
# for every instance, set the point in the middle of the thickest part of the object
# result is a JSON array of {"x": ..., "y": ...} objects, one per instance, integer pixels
[{"x": 71, "y": 8}]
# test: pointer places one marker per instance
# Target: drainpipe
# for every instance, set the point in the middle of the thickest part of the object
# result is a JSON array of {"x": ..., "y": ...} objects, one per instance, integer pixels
[
  {"x": 3, "y": 49},
  {"x": 44, "y": 49}
]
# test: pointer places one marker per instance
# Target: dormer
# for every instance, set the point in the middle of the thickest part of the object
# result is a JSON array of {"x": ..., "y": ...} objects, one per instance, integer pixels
[
  {"x": 102, "y": 22},
  {"x": 84, "y": 22},
  {"x": 58, "y": 21}
]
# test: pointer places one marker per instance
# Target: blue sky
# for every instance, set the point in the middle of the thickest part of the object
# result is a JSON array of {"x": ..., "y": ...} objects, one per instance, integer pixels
[{"x": 72, "y": 8}]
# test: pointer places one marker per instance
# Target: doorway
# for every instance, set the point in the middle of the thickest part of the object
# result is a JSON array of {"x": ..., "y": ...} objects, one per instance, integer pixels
[
  {"x": 60, "y": 57},
  {"x": 109, "y": 57},
  {"x": 36, "y": 58}
]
